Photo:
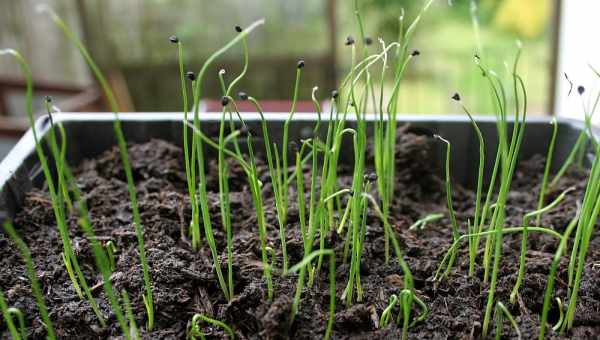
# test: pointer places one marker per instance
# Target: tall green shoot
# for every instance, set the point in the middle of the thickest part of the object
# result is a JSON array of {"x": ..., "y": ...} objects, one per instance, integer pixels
[
  {"x": 547, "y": 166},
  {"x": 56, "y": 193},
  {"x": 8, "y": 314},
  {"x": 148, "y": 298},
  {"x": 308, "y": 258},
  {"x": 103, "y": 259},
  {"x": 31, "y": 273}
]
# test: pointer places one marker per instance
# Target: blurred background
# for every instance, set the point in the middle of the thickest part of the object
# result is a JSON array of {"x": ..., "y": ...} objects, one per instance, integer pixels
[{"x": 129, "y": 40}]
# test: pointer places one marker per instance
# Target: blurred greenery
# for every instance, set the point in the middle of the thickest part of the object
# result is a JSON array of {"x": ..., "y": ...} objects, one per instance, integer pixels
[
  {"x": 299, "y": 29},
  {"x": 447, "y": 42}
]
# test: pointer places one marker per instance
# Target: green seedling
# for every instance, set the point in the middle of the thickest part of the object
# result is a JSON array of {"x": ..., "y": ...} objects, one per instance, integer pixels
[
  {"x": 508, "y": 162},
  {"x": 501, "y": 312},
  {"x": 560, "y": 251},
  {"x": 455, "y": 234},
  {"x": 474, "y": 243},
  {"x": 56, "y": 194},
  {"x": 332, "y": 285},
  {"x": 408, "y": 277},
  {"x": 547, "y": 166},
  {"x": 385, "y": 317},
  {"x": 386, "y": 126},
  {"x": 585, "y": 228},
  {"x": 438, "y": 274},
  {"x": 189, "y": 169},
  {"x": 421, "y": 223},
  {"x": 133, "y": 330},
  {"x": 111, "y": 249},
  {"x": 195, "y": 331},
  {"x": 148, "y": 298},
  {"x": 255, "y": 187},
  {"x": 197, "y": 159},
  {"x": 526, "y": 219},
  {"x": 100, "y": 256},
  {"x": 31, "y": 273},
  {"x": 8, "y": 314}
]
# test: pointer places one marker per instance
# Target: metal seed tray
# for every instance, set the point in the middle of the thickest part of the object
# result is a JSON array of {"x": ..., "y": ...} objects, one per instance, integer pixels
[{"x": 89, "y": 134}]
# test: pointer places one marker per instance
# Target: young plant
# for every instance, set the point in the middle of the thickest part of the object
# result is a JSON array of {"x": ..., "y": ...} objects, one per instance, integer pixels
[
  {"x": 223, "y": 170},
  {"x": 500, "y": 311},
  {"x": 547, "y": 166},
  {"x": 409, "y": 296},
  {"x": 197, "y": 158},
  {"x": 100, "y": 256},
  {"x": 585, "y": 228},
  {"x": 525, "y": 224},
  {"x": 133, "y": 330},
  {"x": 508, "y": 161},
  {"x": 422, "y": 222},
  {"x": 455, "y": 233},
  {"x": 332, "y": 290},
  {"x": 189, "y": 168},
  {"x": 255, "y": 188},
  {"x": 385, "y": 127},
  {"x": 31, "y": 273},
  {"x": 579, "y": 146},
  {"x": 474, "y": 243},
  {"x": 384, "y": 320},
  {"x": 307, "y": 231},
  {"x": 560, "y": 251},
  {"x": 56, "y": 194},
  {"x": 284, "y": 148},
  {"x": 111, "y": 249},
  {"x": 8, "y": 314},
  {"x": 277, "y": 181},
  {"x": 195, "y": 330},
  {"x": 148, "y": 298}
]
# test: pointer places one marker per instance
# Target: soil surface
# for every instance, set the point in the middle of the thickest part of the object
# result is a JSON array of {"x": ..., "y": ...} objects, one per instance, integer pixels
[{"x": 184, "y": 281}]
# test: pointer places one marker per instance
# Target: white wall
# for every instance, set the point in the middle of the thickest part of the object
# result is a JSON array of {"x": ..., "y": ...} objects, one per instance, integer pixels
[{"x": 578, "y": 48}]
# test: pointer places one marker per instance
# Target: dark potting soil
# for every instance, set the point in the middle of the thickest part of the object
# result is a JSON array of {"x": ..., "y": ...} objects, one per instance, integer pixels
[{"x": 184, "y": 281}]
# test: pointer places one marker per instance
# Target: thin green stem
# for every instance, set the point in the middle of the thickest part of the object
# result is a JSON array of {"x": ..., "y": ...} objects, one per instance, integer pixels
[{"x": 31, "y": 273}]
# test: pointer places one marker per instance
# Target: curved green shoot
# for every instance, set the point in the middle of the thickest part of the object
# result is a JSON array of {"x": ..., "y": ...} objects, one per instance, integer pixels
[
  {"x": 500, "y": 311},
  {"x": 300, "y": 266},
  {"x": 100, "y": 256},
  {"x": 148, "y": 298},
  {"x": 474, "y": 243},
  {"x": 255, "y": 188},
  {"x": 384, "y": 320},
  {"x": 189, "y": 169},
  {"x": 56, "y": 193},
  {"x": 284, "y": 147},
  {"x": 223, "y": 177},
  {"x": 589, "y": 215},
  {"x": 111, "y": 249},
  {"x": 31, "y": 273},
  {"x": 422, "y": 222},
  {"x": 448, "y": 181},
  {"x": 8, "y": 314},
  {"x": 560, "y": 251},
  {"x": 526, "y": 219},
  {"x": 547, "y": 166},
  {"x": 408, "y": 278},
  {"x": 135, "y": 334},
  {"x": 279, "y": 190},
  {"x": 561, "y": 315},
  {"x": 509, "y": 165},
  {"x": 196, "y": 332},
  {"x": 510, "y": 230},
  {"x": 407, "y": 296}
]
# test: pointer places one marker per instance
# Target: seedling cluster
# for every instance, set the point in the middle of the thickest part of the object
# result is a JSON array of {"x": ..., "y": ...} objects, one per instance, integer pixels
[{"x": 324, "y": 205}]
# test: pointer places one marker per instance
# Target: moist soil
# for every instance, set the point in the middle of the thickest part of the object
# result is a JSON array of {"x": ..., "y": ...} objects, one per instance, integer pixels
[{"x": 184, "y": 280}]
